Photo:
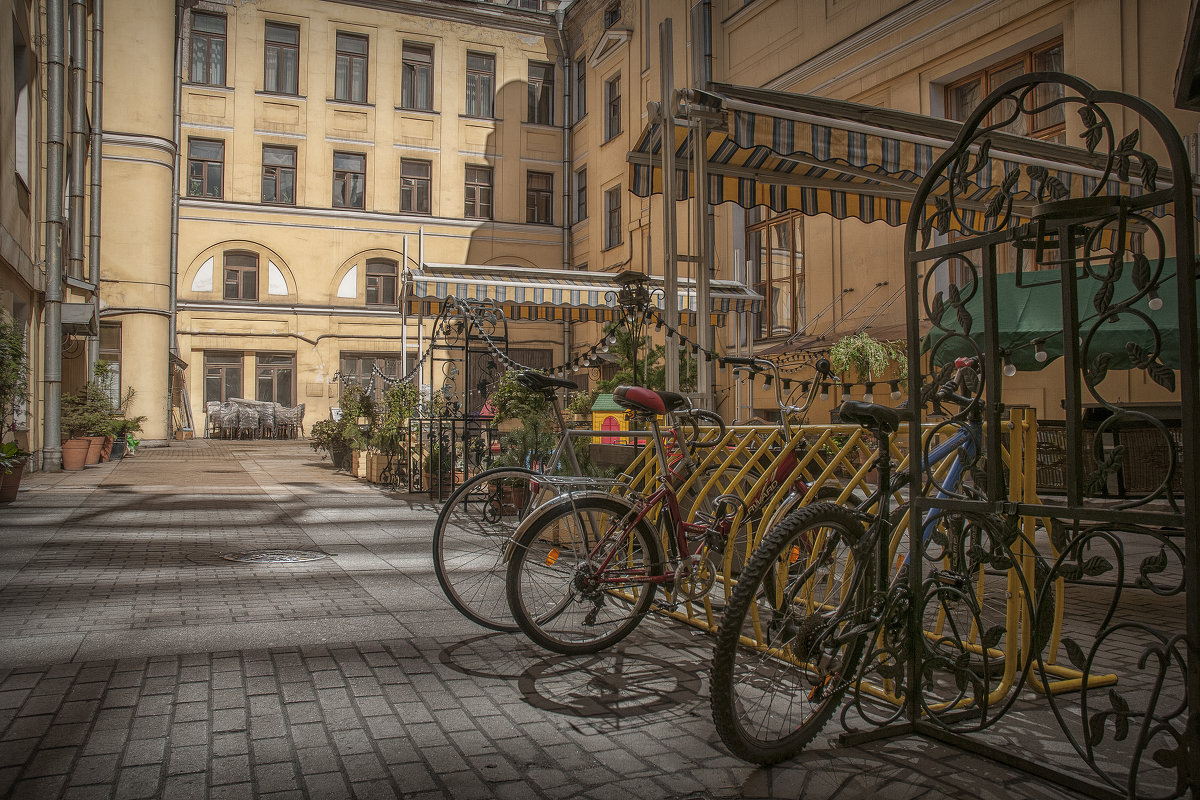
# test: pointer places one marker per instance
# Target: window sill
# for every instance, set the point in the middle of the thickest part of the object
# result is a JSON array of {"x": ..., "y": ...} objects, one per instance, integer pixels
[
  {"x": 480, "y": 119},
  {"x": 204, "y": 197},
  {"x": 578, "y": 121},
  {"x": 214, "y": 86},
  {"x": 613, "y": 246},
  {"x": 614, "y": 137},
  {"x": 539, "y": 222},
  {"x": 280, "y": 95},
  {"x": 480, "y": 219},
  {"x": 349, "y": 208},
  {"x": 548, "y": 125},
  {"x": 432, "y": 112},
  {"x": 351, "y": 103},
  {"x": 416, "y": 213}
]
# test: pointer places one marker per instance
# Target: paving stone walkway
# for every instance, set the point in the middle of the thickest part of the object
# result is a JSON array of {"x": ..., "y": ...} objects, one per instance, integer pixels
[{"x": 137, "y": 662}]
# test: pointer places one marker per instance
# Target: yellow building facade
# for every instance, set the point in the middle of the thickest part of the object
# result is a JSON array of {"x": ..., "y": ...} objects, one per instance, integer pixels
[{"x": 262, "y": 204}]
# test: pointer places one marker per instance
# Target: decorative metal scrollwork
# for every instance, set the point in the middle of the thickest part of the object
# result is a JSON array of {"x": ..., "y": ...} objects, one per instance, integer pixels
[{"x": 1092, "y": 647}]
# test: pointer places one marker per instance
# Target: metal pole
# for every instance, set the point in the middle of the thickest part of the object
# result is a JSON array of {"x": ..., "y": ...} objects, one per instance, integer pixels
[
  {"x": 670, "y": 266},
  {"x": 55, "y": 145},
  {"x": 702, "y": 50},
  {"x": 97, "y": 144},
  {"x": 78, "y": 78}
]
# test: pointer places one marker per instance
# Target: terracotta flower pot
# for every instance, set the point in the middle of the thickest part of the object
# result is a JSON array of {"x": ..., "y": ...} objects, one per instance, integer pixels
[
  {"x": 74, "y": 453},
  {"x": 95, "y": 443},
  {"x": 10, "y": 482},
  {"x": 106, "y": 448}
]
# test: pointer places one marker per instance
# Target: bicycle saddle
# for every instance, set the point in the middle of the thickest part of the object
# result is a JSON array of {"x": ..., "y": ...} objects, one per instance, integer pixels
[
  {"x": 870, "y": 415},
  {"x": 538, "y": 382},
  {"x": 639, "y": 398}
]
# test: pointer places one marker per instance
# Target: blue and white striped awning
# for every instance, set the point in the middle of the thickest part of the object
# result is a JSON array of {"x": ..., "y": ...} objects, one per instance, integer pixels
[
  {"x": 820, "y": 156},
  {"x": 539, "y": 294}
]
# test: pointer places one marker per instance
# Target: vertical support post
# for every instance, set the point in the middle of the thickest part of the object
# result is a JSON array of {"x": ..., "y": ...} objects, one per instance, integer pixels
[
  {"x": 55, "y": 145},
  {"x": 702, "y": 53},
  {"x": 96, "y": 147},
  {"x": 670, "y": 264},
  {"x": 404, "y": 307}
]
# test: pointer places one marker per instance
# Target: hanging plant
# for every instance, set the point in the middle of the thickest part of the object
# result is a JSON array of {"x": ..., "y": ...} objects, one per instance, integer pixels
[{"x": 867, "y": 356}]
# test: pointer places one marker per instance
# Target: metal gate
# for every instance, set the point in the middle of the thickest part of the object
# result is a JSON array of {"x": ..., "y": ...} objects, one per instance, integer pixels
[{"x": 1103, "y": 686}]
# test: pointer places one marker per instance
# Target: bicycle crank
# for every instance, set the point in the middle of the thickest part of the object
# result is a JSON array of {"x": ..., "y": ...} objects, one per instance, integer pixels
[{"x": 695, "y": 576}]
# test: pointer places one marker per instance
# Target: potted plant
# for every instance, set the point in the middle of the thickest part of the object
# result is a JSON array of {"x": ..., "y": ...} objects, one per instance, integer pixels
[
  {"x": 531, "y": 442},
  {"x": 14, "y": 393},
  {"x": 867, "y": 357},
  {"x": 83, "y": 417},
  {"x": 358, "y": 421},
  {"x": 327, "y": 435},
  {"x": 123, "y": 429},
  {"x": 439, "y": 461},
  {"x": 390, "y": 435}
]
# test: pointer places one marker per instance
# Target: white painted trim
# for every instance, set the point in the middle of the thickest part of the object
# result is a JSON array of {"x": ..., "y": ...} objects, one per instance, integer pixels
[
  {"x": 259, "y": 308},
  {"x": 203, "y": 282},
  {"x": 276, "y": 285},
  {"x": 258, "y": 132},
  {"x": 348, "y": 288}
]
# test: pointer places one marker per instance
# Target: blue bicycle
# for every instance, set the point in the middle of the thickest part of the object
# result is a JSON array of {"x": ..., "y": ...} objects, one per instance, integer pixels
[{"x": 819, "y": 605}]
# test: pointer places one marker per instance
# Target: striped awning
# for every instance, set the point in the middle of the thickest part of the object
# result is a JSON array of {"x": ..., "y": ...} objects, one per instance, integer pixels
[
  {"x": 538, "y": 294},
  {"x": 820, "y": 156}
]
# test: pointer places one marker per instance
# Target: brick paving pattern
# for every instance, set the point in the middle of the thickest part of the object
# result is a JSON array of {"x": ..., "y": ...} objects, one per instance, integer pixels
[{"x": 135, "y": 662}]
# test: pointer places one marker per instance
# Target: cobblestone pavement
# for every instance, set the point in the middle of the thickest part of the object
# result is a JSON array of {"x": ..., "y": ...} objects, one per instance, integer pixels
[{"x": 137, "y": 662}]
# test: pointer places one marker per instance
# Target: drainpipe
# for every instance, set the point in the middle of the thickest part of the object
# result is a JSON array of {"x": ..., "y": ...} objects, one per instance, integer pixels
[
  {"x": 78, "y": 80},
  {"x": 97, "y": 144},
  {"x": 705, "y": 233},
  {"x": 55, "y": 144},
  {"x": 670, "y": 241},
  {"x": 568, "y": 172},
  {"x": 172, "y": 345}
]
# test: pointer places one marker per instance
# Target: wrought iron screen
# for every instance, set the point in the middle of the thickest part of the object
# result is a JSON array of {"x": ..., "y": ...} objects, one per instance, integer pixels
[{"x": 1067, "y": 641}]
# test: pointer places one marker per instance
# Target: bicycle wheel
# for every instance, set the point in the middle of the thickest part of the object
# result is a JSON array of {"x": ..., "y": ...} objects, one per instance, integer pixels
[
  {"x": 792, "y": 637},
  {"x": 558, "y": 592},
  {"x": 471, "y": 535}
]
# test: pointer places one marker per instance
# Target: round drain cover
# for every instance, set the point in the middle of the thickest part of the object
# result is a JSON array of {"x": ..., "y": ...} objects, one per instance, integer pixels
[{"x": 276, "y": 556}]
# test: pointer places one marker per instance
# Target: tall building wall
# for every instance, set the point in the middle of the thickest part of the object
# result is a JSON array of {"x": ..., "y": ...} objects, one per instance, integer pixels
[{"x": 135, "y": 263}]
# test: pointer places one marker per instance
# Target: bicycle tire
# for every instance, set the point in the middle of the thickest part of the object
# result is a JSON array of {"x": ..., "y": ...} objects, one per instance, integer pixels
[
  {"x": 545, "y": 570},
  {"x": 768, "y": 704},
  {"x": 470, "y": 539}
]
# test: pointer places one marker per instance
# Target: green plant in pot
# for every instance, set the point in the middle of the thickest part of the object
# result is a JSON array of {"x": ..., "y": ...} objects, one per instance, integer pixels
[
  {"x": 867, "y": 357},
  {"x": 391, "y": 426},
  {"x": 438, "y": 463},
  {"x": 358, "y": 416},
  {"x": 123, "y": 429},
  {"x": 87, "y": 413},
  {"x": 530, "y": 443},
  {"x": 14, "y": 393}
]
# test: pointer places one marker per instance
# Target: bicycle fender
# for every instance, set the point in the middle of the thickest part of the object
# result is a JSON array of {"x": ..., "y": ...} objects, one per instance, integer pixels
[{"x": 551, "y": 506}]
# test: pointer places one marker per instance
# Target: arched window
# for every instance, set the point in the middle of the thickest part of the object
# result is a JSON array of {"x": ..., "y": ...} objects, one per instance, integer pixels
[
  {"x": 241, "y": 275},
  {"x": 381, "y": 282}
]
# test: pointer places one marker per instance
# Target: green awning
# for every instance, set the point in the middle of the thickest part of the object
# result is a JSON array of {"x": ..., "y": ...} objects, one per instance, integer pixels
[{"x": 1030, "y": 317}]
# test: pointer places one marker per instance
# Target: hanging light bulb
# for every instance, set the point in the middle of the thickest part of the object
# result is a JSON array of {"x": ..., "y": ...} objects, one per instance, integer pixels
[
  {"x": 1155, "y": 301},
  {"x": 612, "y": 337},
  {"x": 1039, "y": 353},
  {"x": 824, "y": 391},
  {"x": 1010, "y": 368},
  {"x": 845, "y": 391},
  {"x": 869, "y": 394},
  {"x": 895, "y": 393}
]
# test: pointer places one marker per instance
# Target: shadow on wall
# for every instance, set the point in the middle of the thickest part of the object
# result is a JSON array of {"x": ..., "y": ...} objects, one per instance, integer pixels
[{"x": 503, "y": 154}]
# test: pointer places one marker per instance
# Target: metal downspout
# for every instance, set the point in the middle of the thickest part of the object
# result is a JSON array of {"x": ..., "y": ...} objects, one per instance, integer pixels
[
  {"x": 670, "y": 241},
  {"x": 55, "y": 101},
  {"x": 97, "y": 144},
  {"x": 705, "y": 233},
  {"x": 77, "y": 32},
  {"x": 172, "y": 346},
  {"x": 568, "y": 173}
]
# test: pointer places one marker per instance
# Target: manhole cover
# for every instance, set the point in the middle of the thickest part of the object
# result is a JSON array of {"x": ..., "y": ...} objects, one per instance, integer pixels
[{"x": 276, "y": 556}]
